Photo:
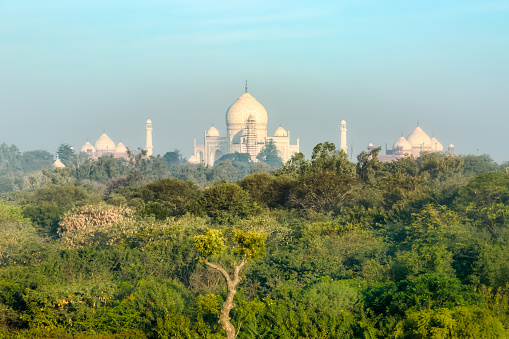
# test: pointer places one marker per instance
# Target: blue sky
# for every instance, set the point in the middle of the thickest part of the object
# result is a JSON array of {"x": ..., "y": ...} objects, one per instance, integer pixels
[{"x": 70, "y": 70}]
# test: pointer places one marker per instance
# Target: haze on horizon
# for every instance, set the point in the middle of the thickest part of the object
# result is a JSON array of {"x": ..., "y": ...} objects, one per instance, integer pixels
[{"x": 71, "y": 70}]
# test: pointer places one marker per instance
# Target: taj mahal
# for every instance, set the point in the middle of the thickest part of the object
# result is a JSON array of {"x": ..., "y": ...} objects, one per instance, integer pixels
[{"x": 246, "y": 132}]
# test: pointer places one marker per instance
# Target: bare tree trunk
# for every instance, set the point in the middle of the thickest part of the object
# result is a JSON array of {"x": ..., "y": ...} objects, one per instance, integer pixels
[{"x": 228, "y": 305}]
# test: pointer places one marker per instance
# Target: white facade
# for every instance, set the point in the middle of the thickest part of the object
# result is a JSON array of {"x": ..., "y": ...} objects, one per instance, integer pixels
[{"x": 246, "y": 132}]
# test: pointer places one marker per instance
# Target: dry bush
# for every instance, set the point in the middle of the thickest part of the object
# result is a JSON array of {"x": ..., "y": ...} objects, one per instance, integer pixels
[{"x": 96, "y": 224}]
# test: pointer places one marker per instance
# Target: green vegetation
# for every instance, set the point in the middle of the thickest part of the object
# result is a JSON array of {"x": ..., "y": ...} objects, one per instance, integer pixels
[{"x": 318, "y": 248}]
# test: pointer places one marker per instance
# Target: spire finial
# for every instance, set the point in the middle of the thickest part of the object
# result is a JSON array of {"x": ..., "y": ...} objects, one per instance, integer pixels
[
  {"x": 417, "y": 123},
  {"x": 246, "y": 86}
]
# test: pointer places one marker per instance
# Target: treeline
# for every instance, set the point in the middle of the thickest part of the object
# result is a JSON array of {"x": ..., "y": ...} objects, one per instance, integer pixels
[
  {"x": 32, "y": 169},
  {"x": 416, "y": 248}
]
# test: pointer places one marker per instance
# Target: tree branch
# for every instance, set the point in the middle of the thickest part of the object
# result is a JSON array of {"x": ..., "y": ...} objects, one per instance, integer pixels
[{"x": 219, "y": 268}]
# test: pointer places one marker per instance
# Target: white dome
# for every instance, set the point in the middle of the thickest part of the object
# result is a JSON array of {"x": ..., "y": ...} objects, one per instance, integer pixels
[
  {"x": 436, "y": 146},
  {"x": 149, "y": 121},
  {"x": 451, "y": 146},
  {"x": 370, "y": 144},
  {"x": 343, "y": 122},
  {"x": 419, "y": 138},
  {"x": 193, "y": 159},
  {"x": 104, "y": 144},
  {"x": 121, "y": 148},
  {"x": 86, "y": 147},
  {"x": 402, "y": 142},
  {"x": 246, "y": 106},
  {"x": 212, "y": 132},
  {"x": 280, "y": 132},
  {"x": 58, "y": 163}
]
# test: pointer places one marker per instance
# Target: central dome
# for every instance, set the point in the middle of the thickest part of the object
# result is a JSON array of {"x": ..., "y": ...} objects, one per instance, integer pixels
[
  {"x": 419, "y": 138},
  {"x": 243, "y": 108},
  {"x": 104, "y": 144}
]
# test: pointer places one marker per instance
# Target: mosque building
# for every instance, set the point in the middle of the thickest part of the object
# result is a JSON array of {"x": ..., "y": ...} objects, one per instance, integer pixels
[
  {"x": 414, "y": 145},
  {"x": 246, "y": 132},
  {"x": 104, "y": 146}
]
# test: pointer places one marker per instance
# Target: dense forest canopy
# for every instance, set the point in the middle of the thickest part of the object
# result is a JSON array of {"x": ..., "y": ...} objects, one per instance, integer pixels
[{"x": 317, "y": 248}]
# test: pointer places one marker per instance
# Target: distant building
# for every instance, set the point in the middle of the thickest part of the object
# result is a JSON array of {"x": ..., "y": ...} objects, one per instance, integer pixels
[
  {"x": 58, "y": 163},
  {"x": 104, "y": 146},
  {"x": 246, "y": 132},
  {"x": 414, "y": 144}
]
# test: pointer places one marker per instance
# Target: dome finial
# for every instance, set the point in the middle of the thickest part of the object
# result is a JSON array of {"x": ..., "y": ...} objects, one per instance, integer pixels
[
  {"x": 417, "y": 123},
  {"x": 246, "y": 86}
]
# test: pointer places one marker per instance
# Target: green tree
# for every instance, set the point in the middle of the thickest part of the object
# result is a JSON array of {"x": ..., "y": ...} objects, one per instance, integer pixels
[
  {"x": 174, "y": 195},
  {"x": 35, "y": 160},
  {"x": 249, "y": 245},
  {"x": 173, "y": 158},
  {"x": 325, "y": 158},
  {"x": 439, "y": 166},
  {"x": 226, "y": 202},
  {"x": 268, "y": 154},
  {"x": 237, "y": 157},
  {"x": 297, "y": 165},
  {"x": 485, "y": 200},
  {"x": 476, "y": 164},
  {"x": 322, "y": 192},
  {"x": 369, "y": 168},
  {"x": 66, "y": 155}
]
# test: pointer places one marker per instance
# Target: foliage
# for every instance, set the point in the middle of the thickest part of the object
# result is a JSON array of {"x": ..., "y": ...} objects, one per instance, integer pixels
[
  {"x": 226, "y": 202},
  {"x": 414, "y": 248},
  {"x": 321, "y": 192},
  {"x": 210, "y": 243},
  {"x": 268, "y": 154}
]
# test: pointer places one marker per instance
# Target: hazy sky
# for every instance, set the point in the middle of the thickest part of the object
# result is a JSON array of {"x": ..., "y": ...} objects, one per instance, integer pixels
[{"x": 70, "y": 70}]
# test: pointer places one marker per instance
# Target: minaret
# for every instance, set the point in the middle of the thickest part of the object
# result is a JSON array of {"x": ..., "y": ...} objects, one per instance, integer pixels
[
  {"x": 148, "y": 140},
  {"x": 342, "y": 131}
]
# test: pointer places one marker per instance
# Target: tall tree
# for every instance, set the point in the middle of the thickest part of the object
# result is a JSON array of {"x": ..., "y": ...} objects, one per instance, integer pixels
[
  {"x": 173, "y": 158},
  {"x": 268, "y": 155},
  {"x": 249, "y": 245},
  {"x": 66, "y": 154},
  {"x": 325, "y": 158}
]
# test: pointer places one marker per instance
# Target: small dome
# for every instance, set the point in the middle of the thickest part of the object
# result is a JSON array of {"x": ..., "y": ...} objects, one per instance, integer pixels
[
  {"x": 370, "y": 144},
  {"x": 121, "y": 148},
  {"x": 451, "y": 146},
  {"x": 280, "y": 132},
  {"x": 402, "y": 142},
  {"x": 104, "y": 144},
  {"x": 244, "y": 107},
  {"x": 212, "y": 132},
  {"x": 58, "y": 163},
  {"x": 343, "y": 122},
  {"x": 149, "y": 121},
  {"x": 87, "y": 147},
  {"x": 193, "y": 160},
  {"x": 436, "y": 146},
  {"x": 419, "y": 138}
]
